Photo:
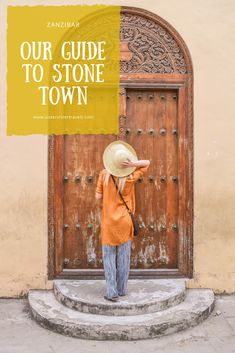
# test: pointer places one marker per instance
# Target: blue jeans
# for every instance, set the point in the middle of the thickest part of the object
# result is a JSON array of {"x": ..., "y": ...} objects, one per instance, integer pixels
[{"x": 116, "y": 262}]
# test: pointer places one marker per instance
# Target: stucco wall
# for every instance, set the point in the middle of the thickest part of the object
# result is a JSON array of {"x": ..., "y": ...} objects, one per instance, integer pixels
[{"x": 208, "y": 29}]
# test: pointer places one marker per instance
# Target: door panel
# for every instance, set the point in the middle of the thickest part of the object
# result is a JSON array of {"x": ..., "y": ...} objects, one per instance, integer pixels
[
  {"x": 82, "y": 162},
  {"x": 156, "y": 200},
  {"x": 155, "y": 112}
]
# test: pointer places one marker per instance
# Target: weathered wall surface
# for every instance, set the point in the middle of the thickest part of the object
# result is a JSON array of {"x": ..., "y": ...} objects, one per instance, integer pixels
[{"x": 207, "y": 28}]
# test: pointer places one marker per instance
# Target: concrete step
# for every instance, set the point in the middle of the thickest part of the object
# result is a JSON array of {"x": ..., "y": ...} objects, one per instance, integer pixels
[
  {"x": 144, "y": 296},
  {"x": 51, "y": 314}
]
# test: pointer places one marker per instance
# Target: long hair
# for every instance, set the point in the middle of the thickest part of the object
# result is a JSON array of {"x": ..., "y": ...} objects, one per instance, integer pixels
[{"x": 121, "y": 181}]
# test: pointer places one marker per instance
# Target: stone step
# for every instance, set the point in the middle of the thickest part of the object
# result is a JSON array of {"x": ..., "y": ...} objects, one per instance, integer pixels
[
  {"x": 144, "y": 296},
  {"x": 51, "y": 314}
]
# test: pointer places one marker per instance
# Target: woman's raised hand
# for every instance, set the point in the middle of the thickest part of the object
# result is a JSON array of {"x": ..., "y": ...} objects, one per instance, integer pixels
[
  {"x": 140, "y": 163},
  {"x": 128, "y": 163}
]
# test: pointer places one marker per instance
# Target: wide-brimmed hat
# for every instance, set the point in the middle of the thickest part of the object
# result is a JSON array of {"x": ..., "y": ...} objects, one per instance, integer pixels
[{"x": 116, "y": 153}]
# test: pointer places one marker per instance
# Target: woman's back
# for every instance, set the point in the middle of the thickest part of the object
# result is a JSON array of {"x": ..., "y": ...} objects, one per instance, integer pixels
[{"x": 116, "y": 224}]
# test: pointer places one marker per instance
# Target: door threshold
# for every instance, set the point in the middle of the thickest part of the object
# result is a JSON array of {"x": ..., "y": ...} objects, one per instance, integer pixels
[{"x": 135, "y": 273}]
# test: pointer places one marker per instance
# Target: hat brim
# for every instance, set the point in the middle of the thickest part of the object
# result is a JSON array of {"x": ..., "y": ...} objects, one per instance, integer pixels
[{"x": 108, "y": 159}]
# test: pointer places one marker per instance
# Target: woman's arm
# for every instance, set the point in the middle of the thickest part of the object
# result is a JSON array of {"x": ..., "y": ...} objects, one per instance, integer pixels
[
  {"x": 98, "y": 195},
  {"x": 99, "y": 188},
  {"x": 138, "y": 164}
]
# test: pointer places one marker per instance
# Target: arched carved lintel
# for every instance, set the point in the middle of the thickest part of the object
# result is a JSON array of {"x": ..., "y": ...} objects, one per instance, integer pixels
[{"x": 155, "y": 45}]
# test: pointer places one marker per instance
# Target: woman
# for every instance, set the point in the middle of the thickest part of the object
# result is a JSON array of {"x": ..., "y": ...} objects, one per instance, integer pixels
[{"x": 117, "y": 230}]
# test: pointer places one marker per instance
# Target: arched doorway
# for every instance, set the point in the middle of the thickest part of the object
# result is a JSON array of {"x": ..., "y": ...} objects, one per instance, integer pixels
[{"x": 156, "y": 117}]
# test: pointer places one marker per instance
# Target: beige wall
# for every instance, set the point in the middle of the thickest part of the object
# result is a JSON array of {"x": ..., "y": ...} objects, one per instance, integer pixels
[{"x": 207, "y": 26}]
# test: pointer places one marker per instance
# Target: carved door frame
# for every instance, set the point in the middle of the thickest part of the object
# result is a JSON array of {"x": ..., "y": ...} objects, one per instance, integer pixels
[{"x": 168, "y": 65}]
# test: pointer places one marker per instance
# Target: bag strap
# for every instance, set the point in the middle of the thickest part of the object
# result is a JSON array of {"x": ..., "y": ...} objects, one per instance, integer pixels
[{"x": 120, "y": 194}]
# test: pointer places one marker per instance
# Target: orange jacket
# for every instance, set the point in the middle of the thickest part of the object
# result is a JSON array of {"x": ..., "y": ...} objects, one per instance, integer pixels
[{"x": 116, "y": 223}]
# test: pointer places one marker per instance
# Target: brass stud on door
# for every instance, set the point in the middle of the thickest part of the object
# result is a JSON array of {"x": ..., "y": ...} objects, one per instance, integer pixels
[
  {"x": 162, "y": 132},
  {"x": 174, "y": 97},
  {"x": 77, "y": 262},
  {"x": 128, "y": 97},
  {"x": 78, "y": 226},
  {"x": 66, "y": 178},
  {"x": 175, "y": 227},
  {"x": 140, "y": 179},
  {"x": 150, "y": 96},
  {"x": 174, "y": 131},
  {"x": 163, "y": 97},
  {"x": 78, "y": 178},
  {"x": 89, "y": 178},
  {"x": 128, "y": 131},
  {"x": 151, "y": 226},
  {"x": 150, "y": 131},
  {"x": 139, "y": 131},
  {"x": 66, "y": 226},
  {"x": 151, "y": 178},
  {"x": 174, "y": 178},
  {"x": 162, "y": 227},
  {"x": 162, "y": 178},
  {"x": 66, "y": 261},
  {"x": 139, "y": 97},
  {"x": 90, "y": 226}
]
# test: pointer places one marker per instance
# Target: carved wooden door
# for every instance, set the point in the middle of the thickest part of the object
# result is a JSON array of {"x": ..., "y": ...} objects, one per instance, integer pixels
[{"x": 156, "y": 118}]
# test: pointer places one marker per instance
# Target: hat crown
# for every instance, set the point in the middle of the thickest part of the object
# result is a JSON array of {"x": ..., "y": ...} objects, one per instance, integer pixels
[{"x": 119, "y": 157}]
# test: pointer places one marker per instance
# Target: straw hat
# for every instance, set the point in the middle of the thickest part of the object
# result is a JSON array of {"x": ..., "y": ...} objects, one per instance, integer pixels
[{"x": 116, "y": 153}]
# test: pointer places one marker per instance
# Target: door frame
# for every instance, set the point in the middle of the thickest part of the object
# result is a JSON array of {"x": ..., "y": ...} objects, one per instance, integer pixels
[{"x": 183, "y": 83}]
